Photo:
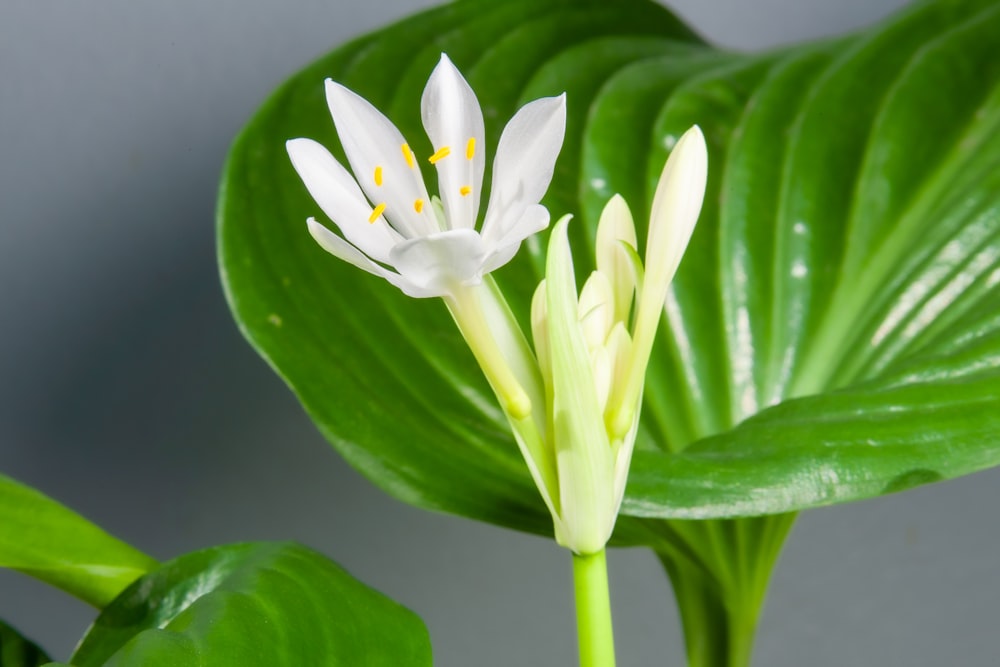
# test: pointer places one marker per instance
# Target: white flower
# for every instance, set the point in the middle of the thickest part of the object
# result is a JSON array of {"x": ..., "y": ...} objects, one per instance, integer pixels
[
  {"x": 593, "y": 355},
  {"x": 429, "y": 246}
]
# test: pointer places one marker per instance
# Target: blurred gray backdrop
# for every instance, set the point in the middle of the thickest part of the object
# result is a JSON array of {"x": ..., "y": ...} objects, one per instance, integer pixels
[{"x": 126, "y": 392}]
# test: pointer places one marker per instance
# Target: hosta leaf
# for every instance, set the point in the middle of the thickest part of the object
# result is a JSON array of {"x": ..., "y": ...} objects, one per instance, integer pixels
[
  {"x": 41, "y": 538},
  {"x": 831, "y": 335},
  {"x": 253, "y": 604}
]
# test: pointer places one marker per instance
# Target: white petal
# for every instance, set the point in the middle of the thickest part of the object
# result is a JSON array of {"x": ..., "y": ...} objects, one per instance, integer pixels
[
  {"x": 340, "y": 198},
  {"x": 614, "y": 228},
  {"x": 534, "y": 219},
  {"x": 596, "y": 310},
  {"x": 525, "y": 160},
  {"x": 454, "y": 121},
  {"x": 676, "y": 206},
  {"x": 438, "y": 262},
  {"x": 371, "y": 142},
  {"x": 341, "y": 249}
]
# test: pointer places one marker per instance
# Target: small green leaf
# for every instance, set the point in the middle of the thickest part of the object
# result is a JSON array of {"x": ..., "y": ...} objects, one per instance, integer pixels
[
  {"x": 45, "y": 540},
  {"x": 16, "y": 651},
  {"x": 256, "y": 604}
]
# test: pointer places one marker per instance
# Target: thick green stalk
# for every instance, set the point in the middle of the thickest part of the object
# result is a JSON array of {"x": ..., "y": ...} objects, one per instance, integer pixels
[
  {"x": 593, "y": 610},
  {"x": 720, "y": 591},
  {"x": 718, "y": 632}
]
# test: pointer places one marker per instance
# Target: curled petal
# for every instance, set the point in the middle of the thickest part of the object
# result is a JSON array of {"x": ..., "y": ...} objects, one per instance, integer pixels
[
  {"x": 524, "y": 164},
  {"x": 454, "y": 122},
  {"x": 437, "y": 261},
  {"x": 341, "y": 249},
  {"x": 533, "y": 220},
  {"x": 340, "y": 198},
  {"x": 382, "y": 161}
]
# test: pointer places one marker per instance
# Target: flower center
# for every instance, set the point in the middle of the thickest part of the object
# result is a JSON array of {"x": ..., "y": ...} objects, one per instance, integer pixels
[{"x": 439, "y": 154}]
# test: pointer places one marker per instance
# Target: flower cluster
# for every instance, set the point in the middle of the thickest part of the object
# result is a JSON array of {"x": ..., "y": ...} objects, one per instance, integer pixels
[
  {"x": 593, "y": 348},
  {"x": 573, "y": 400},
  {"x": 391, "y": 227}
]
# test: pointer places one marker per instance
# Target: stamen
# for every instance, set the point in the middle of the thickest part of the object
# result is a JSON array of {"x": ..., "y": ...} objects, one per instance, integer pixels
[
  {"x": 470, "y": 148},
  {"x": 378, "y": 175},
  {"x": 408, "y": 155},
  {"x": 418, "y": 205},
  {"x": 464, "y": 190},
  {"x": 376, "y": 212},
  {"x": 442, "y": 152}
]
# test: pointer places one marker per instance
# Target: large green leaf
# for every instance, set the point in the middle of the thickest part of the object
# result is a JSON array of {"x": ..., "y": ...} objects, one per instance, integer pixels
[
  {"x": 247, "y": 605},
  {"x": 832, "y": 335},
  {"x": 41, "y": 538},
  {"x": 16, "y": 651}
]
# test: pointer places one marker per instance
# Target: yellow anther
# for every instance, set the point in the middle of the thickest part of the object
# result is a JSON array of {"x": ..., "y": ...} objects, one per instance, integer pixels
[
  {"x": 378, "y": 175},
  {"x": 470, "y": 148},
  {"x": 418, "y": 205},
  {"x": 442, "y": 152},
  {"x": 464, "y": 190},
  {"x": 408, "y": 155},
  {"x": 376, "y": 213}
]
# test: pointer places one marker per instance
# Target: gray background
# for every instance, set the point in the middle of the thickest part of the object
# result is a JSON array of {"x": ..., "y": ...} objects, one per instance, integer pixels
[{"x": 126, "y": 392}]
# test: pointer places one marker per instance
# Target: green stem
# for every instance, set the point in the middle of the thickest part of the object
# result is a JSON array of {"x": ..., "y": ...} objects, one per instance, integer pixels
[{"x": 593, "y": 610}]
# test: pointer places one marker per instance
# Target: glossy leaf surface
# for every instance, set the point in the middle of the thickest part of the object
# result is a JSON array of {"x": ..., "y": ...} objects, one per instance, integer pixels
[
  {"x": 45, "y": 540},
  {"x": 246, "y": 605},
  {"x": 833, "y": 333}
]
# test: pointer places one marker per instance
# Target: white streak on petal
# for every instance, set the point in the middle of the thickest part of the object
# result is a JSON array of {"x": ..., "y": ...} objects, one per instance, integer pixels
[
  {"x": 341, "y": 249},
  {"x": 340, "y": 198},
  {"x": 451, "y": 117},
  {"x": 524, "y": 164},
  {"x": 440, "y": 261},
  {"x": 370, "y": 140}
]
